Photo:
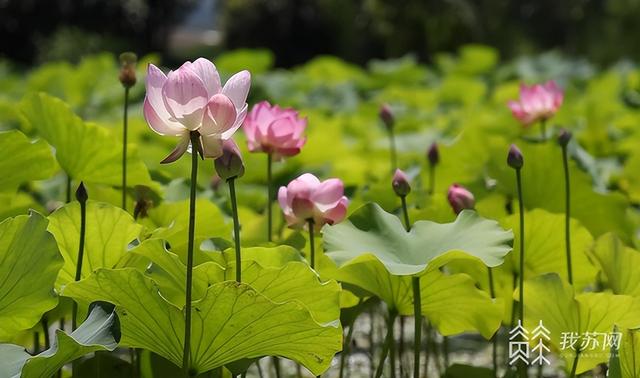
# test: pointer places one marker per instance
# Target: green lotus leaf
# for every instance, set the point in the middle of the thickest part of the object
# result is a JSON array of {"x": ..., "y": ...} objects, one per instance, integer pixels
[
  {"x": 291, "y": 281},
  {"x": 552, "y": 301},
  {"x": 452, "y": 303},
  {"x": 99, "y": 332},
  {"x": 109, "y": 230},
  {"x": 22, "y": 161},
  {"x": 618, "y": 263},
  {"x": 629, "y": 354},
  {"x": 85, "y": 151},
  {"x": 544, "y": 247},
  {"x": 372, "y": 231},
  {"x": 30, "y": 262},
  {"x": 231, "y": 322}
]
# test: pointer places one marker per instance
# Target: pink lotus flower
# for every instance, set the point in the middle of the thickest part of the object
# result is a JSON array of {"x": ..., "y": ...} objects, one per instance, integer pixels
[
  {"x": 307, "y": 198},
  {"x": 274, "y": 130},
  {"x": 538, "y": 102},
  {"x": 460, "y": 198},
  {"x": 191, "y": 98}
]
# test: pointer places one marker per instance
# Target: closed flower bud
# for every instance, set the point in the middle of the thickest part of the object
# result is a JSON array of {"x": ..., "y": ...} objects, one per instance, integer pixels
[
  {"x": 230, "y": 164},
  {"x": 127, "y": 75},
  {"x": 460, "y": 198},
  {"x": 433, "y": 154},
  {"x": 386, "y": 115},
  {"x": 81, "y": 193},
  {"x": 564, "y": 137},
  {"x": 514, "y": 158},
  {"x": 400, "y": 183}
]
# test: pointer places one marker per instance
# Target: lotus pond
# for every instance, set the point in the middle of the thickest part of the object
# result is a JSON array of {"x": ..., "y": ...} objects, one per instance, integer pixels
[{"x": 470, "y": 218}]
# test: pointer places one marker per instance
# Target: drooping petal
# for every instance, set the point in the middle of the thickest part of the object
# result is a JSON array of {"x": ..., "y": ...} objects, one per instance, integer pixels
[
  {"x": 208, "y": 73},
  {"x": 237, "y": 88},
  {"x": 328, "y": 193},
  {"x": 185, "y": 97},
  {"x": 180, "y": 149},
  {"x": 159, "y": 125},
  {"x": 338, "y": 212},
  {"x": 220, "y": 115},
  {"x": 239, "y": 121}
]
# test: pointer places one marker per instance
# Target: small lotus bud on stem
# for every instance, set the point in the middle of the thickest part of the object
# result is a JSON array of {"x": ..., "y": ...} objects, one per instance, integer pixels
[
  {"x": 564, "y": 137},
  {"x": 81, "y": 193},
  {"x": 400, "y": 183},
  {"x": 230, "y": 164},
  {"x": 386, "y": 115},
  {"x": 460, "y": 198},
  {"x": 515, "y": 159},
  {"x": 433, "y": 154},
  {"x": 127, "y": 75}
]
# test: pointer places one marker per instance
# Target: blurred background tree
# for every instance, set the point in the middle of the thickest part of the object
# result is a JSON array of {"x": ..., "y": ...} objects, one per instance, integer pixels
[{"x": 296, "y": 30}]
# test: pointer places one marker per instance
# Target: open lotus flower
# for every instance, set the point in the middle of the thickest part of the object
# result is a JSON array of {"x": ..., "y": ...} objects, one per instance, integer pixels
[
  {"x": 538, "y": 102},
  {"x": 191, "y": 99},
  {"x": 460, "y": 198},
  {"x": 274, "y": 130},
  {"x": 306, "y": 198}
]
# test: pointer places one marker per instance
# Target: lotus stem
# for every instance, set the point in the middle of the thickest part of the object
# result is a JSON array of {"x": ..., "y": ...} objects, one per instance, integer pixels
[
  {"x": 523, "y": 368},
  {"x": 567, "y": 213},
  {"x": 432, "y": 179},
  {"x": 574, "y": 367},
  {"x": 401, "y": 346},
  {"x": 387, "y": 343},
  {"x": 405, "y": 213},
  {"x": 494, "y": 338},
  {"x": 36, "y": 342},
  {"x": 83, "y": 228},
  {"x": 445, "y": 351},
  {"x": 312, "y": 246},
  {"x": 392, "y": 150},
  {"x": 68, "y": 189},
  {"x": 417, "y": 313},
  {"x": 124, "y": 147},
  {"x": 346, "y": 348},
  {"x": 192, "y": 225},
  {"x": 276, "y": 366},
  {"x": 236, "y": 227},
  {"x": 543, "y": 129},
  {"x": 269, "y": 196}
]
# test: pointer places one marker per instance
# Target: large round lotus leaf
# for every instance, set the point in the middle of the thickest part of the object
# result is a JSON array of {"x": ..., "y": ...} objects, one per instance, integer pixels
[
  {"x": 372, "y": 231},
  {"x": 29, "y": 265},
  {"x": 230, "y": 323}
]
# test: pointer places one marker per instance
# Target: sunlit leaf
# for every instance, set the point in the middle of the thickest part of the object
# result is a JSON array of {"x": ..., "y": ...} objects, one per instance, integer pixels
[{"x": 22, "y": 161}]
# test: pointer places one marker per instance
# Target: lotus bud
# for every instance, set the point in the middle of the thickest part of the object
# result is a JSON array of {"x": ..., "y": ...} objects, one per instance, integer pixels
[
  {"x": 514, "y": 158},
  {"x": 81, "y": 193},
  {"x": 127, "y": 75},
  {"x": 433, "y": 154},
  {"x": 386, "y": 115},
  {"x": 564, "y": 137},
  {"x": 230, "y": 164},
  {"x": 460, "y": 198},
  {"x": 400, "y": 183}
]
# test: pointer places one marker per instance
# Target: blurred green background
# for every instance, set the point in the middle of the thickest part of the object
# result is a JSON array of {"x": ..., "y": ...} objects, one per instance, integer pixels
[{"x": 603, "y": 31}]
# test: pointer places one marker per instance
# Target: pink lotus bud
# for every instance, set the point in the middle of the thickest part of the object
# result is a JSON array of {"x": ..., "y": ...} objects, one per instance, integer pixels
[
  {"x": 433, "y": 154},
  {"x": 230, "y": 164},
  {"x": 274, "y": 130},
  {"x": 386, "y": 115},
  {"x": 400, "y": 183},
  {"x": 537, "y": 102},
  {"x": 307, "y": 198},
  {"x": 192, "y": 99},
  {"x": 460, "y": 198},
  {"x": 515, "y": 159}
]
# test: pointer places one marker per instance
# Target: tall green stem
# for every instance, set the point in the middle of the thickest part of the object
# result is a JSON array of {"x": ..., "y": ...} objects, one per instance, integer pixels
[
  {"x": 45, "y": 331},
  {"x": 392, "y": 150},
  {"x": 494, "y": 338},
  {"x": 523, "y": 368},
  {"x": 567, "y": 213},
  {"x": 405, "y": 213},
  {"x": 83, "y": 228},
  {"x": 236, "y": 227},
  {"x": 312, "y": 246},
  {"x": 269, "y": 197},
  {"x": 124, "y": 148},
  {"x": 387, "y": 343},
  {"x": 417, "y": 313},
  {"x": 192, "y": 226},
  {"x": 543, "y": 129},
  {"x": 68, "y": 193},
  {"x": 574, "y": 367},
  {"x": 432, "y": 179}
]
